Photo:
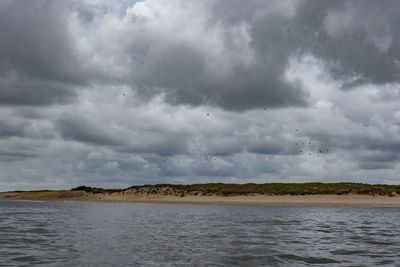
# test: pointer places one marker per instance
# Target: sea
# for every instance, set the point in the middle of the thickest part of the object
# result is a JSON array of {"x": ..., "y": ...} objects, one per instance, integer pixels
[{"x": 55, "y": 233}]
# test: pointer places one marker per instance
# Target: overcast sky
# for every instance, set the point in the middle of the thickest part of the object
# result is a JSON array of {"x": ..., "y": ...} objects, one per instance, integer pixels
[{"x": 114, "y": 93}]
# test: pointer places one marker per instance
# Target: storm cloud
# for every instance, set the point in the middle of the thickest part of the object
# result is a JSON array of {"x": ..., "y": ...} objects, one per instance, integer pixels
[{"x": 114, "y": 93}]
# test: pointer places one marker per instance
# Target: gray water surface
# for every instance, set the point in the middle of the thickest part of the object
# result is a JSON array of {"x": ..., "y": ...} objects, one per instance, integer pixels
[{"x": 117, "y": 234}]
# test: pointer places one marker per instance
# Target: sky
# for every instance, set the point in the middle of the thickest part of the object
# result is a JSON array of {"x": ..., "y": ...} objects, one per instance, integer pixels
[{"x": 115, "y": 93}]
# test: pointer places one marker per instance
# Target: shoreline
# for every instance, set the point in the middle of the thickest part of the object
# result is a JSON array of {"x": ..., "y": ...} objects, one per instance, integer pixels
[{"x": 328, "y": 200}]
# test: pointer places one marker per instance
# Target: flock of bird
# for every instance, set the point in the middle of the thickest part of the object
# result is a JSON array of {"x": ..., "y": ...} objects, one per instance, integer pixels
[{"x": 301, "y": 148}]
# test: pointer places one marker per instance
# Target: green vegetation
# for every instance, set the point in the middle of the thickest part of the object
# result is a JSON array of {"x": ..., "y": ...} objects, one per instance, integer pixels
[
  {"x": 95, "y": 190},
  {"x": 222, "y": 189}
]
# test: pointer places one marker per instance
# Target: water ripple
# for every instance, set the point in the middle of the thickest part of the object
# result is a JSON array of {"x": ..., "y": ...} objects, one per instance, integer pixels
[{"x": 100, "y": 234}]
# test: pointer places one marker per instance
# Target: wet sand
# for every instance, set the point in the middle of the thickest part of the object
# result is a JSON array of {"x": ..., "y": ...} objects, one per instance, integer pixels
[{"x": 351, "y": 200}]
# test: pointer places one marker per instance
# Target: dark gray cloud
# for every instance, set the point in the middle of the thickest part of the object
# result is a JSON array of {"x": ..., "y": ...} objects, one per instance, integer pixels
[
  {"x": 235, "y": 59},
  {"x": 357, "y": 42},
  {"x": 20, "y": 149},
  {"x": 7, "y": 156},
  {"x": 181, "y": 73},
  {"x": 36, "y": 42},
  {"x": 123, "y": 138},
  {"x": 21, "y": 91},
  {"x": 82, "y": 130},
  {"x": 39, "y": 63},
  {"x": 236, "y": 66},
  {"x": 356, "y": 39}
]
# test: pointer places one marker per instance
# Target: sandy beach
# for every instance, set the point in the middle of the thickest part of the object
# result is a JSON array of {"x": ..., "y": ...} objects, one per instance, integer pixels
[{"x": 289, "y": 200}]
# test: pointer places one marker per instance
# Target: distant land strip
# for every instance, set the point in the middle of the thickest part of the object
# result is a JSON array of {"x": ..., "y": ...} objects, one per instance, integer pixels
[
  {"x": 222, "y": 189},
  {"x": 337, "y": 194}
]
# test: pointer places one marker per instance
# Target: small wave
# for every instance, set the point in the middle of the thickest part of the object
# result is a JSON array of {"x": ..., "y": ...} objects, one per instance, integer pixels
[{"x": 306, "y": 259}]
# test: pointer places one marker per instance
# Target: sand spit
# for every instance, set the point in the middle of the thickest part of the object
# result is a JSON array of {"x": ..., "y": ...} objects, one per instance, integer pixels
[{"x": 166, "y": 194}]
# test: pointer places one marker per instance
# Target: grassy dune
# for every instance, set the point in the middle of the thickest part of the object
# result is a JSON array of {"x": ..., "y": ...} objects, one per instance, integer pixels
[
  {"x": 43, "y": 195},
  {"x": 221, "y": 189},
  {"x": 335, "y": 194}
]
